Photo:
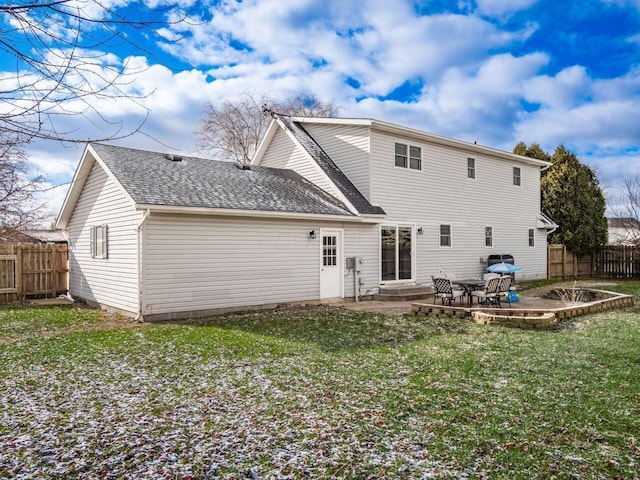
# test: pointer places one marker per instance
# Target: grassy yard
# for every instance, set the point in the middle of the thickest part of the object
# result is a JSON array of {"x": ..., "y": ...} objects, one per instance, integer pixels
[{"x": 317, "y": 393}]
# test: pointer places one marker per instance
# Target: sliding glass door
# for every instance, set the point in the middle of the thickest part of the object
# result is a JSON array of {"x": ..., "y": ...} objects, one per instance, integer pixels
[{"x": 396, "y": 244}]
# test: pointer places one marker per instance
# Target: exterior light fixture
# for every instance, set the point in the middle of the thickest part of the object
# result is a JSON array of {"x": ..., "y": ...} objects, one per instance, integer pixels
[
  {"x": 420, "y": 231},
  {"x": 311, "y": 234}
]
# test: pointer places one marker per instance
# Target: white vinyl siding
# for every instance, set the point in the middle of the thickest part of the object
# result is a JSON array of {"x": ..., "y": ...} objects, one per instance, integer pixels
[
  {"x": 348, "y": 147},
  {"x": 111, "y": 281},
  {"x": 197, "y": 263},
  {"x": 441, "y": 194}
]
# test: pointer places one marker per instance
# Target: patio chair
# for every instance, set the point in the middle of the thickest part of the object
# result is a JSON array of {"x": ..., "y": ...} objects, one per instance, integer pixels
[
  {"x": 445, "y": 291},
  {"x": 487, "y": 276},
  {"x": 490, "y": 293},
  {"x": 504, "y": 287}
]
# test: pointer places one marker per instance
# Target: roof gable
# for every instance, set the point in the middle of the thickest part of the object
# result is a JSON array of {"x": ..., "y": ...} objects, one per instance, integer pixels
[{"x": 327, "y": 166}]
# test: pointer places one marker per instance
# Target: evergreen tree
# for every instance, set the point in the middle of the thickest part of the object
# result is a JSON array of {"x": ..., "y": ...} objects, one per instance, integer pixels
[{"x": 572, "y": 197}]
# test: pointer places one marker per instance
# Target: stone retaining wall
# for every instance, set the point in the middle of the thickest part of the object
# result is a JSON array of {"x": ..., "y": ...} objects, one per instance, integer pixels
[{"x": 528, "y": 318}]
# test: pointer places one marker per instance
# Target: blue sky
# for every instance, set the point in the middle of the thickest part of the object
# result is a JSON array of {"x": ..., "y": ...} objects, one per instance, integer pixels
[{"x": 492, "y": 71}]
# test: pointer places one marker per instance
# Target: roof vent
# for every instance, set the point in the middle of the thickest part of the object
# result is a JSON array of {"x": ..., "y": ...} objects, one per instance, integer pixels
[
  {"x": 174, "y": 158},
  {"x": 243, "y": 166}
]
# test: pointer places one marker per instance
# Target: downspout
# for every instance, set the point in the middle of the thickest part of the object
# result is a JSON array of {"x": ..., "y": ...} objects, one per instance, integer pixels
[
  {"x": 141, "y": 223},
  {"x": 355, "y": 279}
]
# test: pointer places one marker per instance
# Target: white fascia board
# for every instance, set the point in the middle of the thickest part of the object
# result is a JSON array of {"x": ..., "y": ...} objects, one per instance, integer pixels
[
  {"x": 89, "y": 158},
  {"x": 78, "y": 181},
  {"x": 426, "y": 137},
  {"x": 364, "y": 122},
  {"x": 254, "y": 213}
]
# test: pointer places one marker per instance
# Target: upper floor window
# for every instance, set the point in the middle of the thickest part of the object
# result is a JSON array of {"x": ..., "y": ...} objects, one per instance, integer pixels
[
  {"x": 471, "y": 167},
  {"x": 100, "y": 241},
  {"x": 408, "y": 156},
  {"x": 516, "y": 176},
  {"x": 415, "y": 158},
  {"x": 532, "y": 242},
  {"x": 488, "y": 236},
  {"x": 401, "y": 155},
  {"x": 445, "y": 235}
]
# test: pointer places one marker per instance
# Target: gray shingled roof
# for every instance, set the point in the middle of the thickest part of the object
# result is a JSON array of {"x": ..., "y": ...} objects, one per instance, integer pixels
[
  {"x": 152, "y": 178},
  {"x": 331, "y": 169},
  {"x": 623, "y": 222}
]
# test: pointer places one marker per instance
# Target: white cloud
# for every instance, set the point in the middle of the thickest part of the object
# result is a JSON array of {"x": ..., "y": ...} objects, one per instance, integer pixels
[
  {"x": 583, "y": 112},
  {"x": 471, "y": 89},
  {"x": 380, "y": 44},
  {"x": 499, "y": 8}
]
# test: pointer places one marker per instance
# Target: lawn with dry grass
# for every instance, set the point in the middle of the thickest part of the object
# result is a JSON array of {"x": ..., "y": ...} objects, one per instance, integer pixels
[{"x": 317, "y": 393}]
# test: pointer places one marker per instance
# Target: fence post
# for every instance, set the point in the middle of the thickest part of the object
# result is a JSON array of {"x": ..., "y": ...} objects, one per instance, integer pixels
[{"x": 19, "y": 272}]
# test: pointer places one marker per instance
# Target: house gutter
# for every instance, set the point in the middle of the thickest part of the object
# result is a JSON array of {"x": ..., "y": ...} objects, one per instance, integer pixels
[
  {"x": 260, "y": 213},
  {"x": 140, "y": 235}
]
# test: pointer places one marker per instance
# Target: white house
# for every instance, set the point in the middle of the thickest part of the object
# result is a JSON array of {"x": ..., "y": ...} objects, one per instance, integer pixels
[
  {"x": 161, "y": 236},
  {"x": 623, "y": 231}
]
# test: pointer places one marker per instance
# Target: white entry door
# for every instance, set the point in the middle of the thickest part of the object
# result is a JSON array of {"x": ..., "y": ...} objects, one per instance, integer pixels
[{"x": 331, "y": 264}]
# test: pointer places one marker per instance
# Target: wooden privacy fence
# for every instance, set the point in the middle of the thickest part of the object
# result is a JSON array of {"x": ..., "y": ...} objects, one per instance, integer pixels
[
  {"x": 563, "y": 263},
  {"x": 619, "y": 261},
  {"x": 29, "y": 270},
  {"x": 611, "y": 261}
]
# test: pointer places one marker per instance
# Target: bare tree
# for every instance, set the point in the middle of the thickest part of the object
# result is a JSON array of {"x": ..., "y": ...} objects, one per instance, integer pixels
[
  {"x": 19, "y": 208},
  {"x": 63, "y": 62},
  {"x": 627, "y": 210},
  {"x": 232, "y": 130}
]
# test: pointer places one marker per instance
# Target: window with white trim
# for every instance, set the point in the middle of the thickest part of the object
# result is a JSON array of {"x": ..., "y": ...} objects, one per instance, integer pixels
[
  {"x": 445, "y": 235},
  {"x": 408, "y": 156},
  {"x": 532, "y": 238},
  {"x": 488, "y": 236},
  {"x": 471, "y": 167},
  {"x": 100, "y": 241},
  {"x": 516, "y": 176},
  {"x": 401, "y": 155}
]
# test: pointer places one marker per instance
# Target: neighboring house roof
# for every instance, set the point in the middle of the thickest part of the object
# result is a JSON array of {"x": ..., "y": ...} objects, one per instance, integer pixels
[
  {"x": 31, "y": 236},
  {"x": 47, "y": 236},
  {"x": 9, "y": 235},
  {"x": 623, "y": 222},
  {"x": 336, "y": 175},
  {"x": 623, "y": 230},
  {"x": 154, "y": 179}
]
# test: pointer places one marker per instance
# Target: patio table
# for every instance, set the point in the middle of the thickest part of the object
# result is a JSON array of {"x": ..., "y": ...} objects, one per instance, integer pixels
[{"x": 469, "y": 285}]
